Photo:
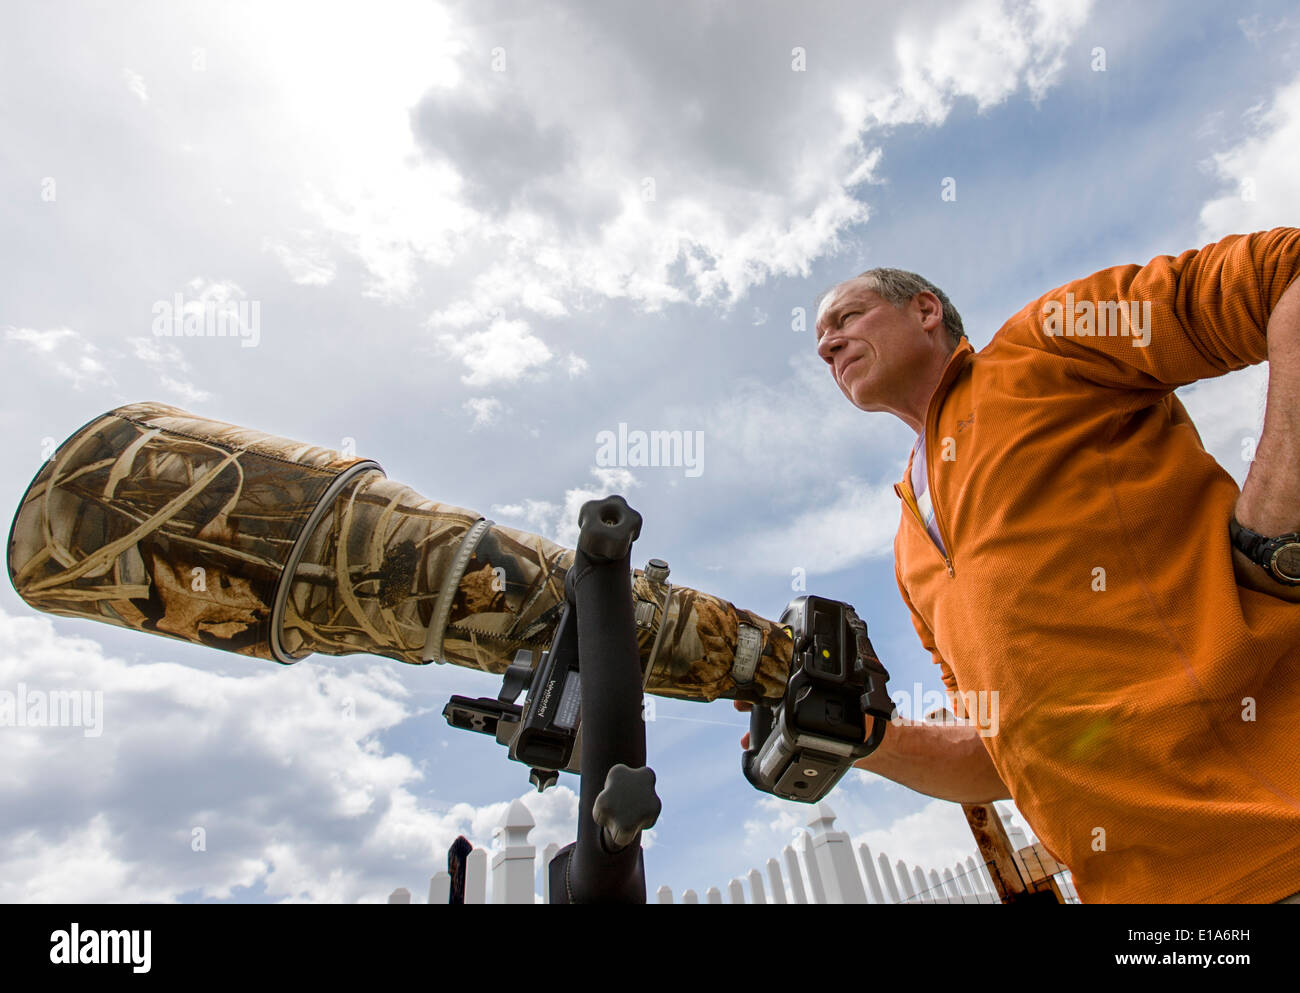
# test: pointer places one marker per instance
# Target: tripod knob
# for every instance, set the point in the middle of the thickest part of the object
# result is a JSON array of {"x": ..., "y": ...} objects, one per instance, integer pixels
[
  {"x": 626, "y": 805},
  {"x": 607, "y": 529}
]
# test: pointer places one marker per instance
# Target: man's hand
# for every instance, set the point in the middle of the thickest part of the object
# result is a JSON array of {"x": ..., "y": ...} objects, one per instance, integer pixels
[{"x": 745, "y": 706}]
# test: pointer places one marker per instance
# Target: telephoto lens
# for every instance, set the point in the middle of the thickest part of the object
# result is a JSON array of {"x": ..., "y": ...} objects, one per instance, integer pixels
[{"x": 165, "y": 522}]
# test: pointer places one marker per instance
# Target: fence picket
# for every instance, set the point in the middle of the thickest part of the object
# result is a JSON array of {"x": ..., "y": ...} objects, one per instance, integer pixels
[
  {"x": 439, "y": 888},
  {"x": 797, "y": 892},
  {"x": 476, "y": 866},
  {"x": 808, "y": 860},
  {"x": 869, "y": 870},
  {"x": 756, "y": 887},
  {"x": 774, "y": 878},
  {"x": 513, "y": 870}
]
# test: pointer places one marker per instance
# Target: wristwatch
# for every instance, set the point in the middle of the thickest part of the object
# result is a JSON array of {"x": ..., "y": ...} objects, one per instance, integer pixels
[{"x": 1279, "y": 557}]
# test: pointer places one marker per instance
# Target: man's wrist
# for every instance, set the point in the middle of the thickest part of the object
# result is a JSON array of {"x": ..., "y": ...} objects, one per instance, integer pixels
[{"x": 1278, "y": 556}]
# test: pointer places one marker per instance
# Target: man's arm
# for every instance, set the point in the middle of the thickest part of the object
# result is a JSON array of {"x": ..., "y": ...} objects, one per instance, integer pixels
[
  {"x": 1270, "y": 500},
  {"x": 948, "y": 761}
]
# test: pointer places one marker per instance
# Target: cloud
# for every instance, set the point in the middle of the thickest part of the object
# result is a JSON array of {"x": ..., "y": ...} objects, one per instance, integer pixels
[
  {"x": 65, "y": 353},
  {"x": 501, "y": 353},
  {"x": 42, "y": 342},
  {"x": 495, "y": 143},
  {"x": 1259, "y": 170},
  {"x": 135, "y": 83},
  {"x": 982, "y": 50},
  {"x": 164, "y": 358},
  {"x": 486, "y": 410},
  {"x": 307, "y": 265},
  {"x": 296, "y": 794},
  {"x": 557, "y": 522},
  {"x": 505, "y": 169}
]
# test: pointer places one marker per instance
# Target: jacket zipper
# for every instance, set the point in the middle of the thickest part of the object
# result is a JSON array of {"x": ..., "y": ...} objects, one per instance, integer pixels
[
  {"x": 905, "y": 494},
  {"x": 904, "y": 490},
  {"x": 929, "y": 481}
]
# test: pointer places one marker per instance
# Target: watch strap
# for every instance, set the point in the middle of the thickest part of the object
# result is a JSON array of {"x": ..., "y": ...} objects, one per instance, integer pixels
[{"x": 1248, "y": 542}]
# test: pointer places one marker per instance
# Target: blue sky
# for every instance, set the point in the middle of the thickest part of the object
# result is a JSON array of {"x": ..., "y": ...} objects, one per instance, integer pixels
[{"x": 440, "y": 210}]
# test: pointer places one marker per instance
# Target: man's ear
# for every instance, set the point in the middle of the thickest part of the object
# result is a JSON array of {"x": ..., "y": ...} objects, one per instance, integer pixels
[{"x": 931, "y": 310}]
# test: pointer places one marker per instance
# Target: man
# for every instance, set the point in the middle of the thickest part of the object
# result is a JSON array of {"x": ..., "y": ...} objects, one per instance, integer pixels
[{"x": 1065, "y": 553}]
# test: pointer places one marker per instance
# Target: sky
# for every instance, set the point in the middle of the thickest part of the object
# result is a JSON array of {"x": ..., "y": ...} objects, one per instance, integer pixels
[{"x": 480, "y": 234}]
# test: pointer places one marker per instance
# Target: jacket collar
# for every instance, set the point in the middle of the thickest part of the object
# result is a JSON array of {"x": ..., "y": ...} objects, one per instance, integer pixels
[{"x": 956, "y": 362}]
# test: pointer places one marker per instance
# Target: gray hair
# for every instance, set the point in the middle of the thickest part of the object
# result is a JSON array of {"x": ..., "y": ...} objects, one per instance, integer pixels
[{"x": 899, "y": 286}]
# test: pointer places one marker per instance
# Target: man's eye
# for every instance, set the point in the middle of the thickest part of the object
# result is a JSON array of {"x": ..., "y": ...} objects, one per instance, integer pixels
[{"x": 845, "y": 318}]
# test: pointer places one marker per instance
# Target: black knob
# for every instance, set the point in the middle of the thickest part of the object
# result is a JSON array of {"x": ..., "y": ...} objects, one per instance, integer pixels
[
  {"x": 626, "y": 805},
  {"x": 607, "y": 529}
]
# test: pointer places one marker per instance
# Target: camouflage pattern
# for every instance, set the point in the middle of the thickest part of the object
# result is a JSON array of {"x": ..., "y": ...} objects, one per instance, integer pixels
[{"x": 158, "y": 520}]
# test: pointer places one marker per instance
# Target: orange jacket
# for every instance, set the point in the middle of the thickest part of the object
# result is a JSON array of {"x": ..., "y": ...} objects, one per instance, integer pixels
[{"x": 1124, "y": 727}]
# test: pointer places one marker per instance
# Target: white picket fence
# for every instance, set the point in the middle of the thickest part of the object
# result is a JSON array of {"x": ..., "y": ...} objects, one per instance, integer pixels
[{"x": 820, "y": 867}]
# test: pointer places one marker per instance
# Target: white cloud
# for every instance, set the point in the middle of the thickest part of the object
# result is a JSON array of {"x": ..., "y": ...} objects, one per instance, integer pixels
[
  {"x": 296, "y": 794},
  {"x": 576, "y": 365},
  {"x": 933, "y": 837},
  {"x": 66, "y": 353},
  {"x": 502, "y": 353},
  {"x": 186, "y": 391},
  {"x": 486, "y": 410},
  {"x": 560, "y": 523},
  {"x": 203, "y": 290},
  {"x": 163, "y": 358},
  {"x": 307, "y": 265},
  {"x": 532, "y": 194},
  {"x": 1263, "y": 184},
  {"x": 135, "y": 83},
  {"x": 42, "y": 342}
]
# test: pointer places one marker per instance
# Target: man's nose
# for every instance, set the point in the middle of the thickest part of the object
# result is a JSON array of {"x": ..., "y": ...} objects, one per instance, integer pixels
[{"x": 828, "y": 346}]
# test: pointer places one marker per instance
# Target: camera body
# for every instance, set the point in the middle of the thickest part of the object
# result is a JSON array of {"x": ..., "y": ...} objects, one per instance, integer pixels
[{"x": 803, "y": 747}]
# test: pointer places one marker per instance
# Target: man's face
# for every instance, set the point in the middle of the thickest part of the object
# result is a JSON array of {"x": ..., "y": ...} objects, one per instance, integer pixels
[{"x": 873, "y": 348}]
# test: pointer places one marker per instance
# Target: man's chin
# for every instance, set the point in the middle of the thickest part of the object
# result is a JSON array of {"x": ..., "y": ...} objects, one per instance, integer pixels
[{"x": 863, "y": 397}]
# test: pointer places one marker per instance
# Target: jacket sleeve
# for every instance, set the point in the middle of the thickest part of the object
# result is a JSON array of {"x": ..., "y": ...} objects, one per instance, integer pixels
[
  {"x": 927, "y": 638},
  {"x": 1196, "y": 316}
]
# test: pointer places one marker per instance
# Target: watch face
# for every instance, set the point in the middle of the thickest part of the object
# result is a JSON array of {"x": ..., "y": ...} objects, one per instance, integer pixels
[{"x": 1286, "y": 561}]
